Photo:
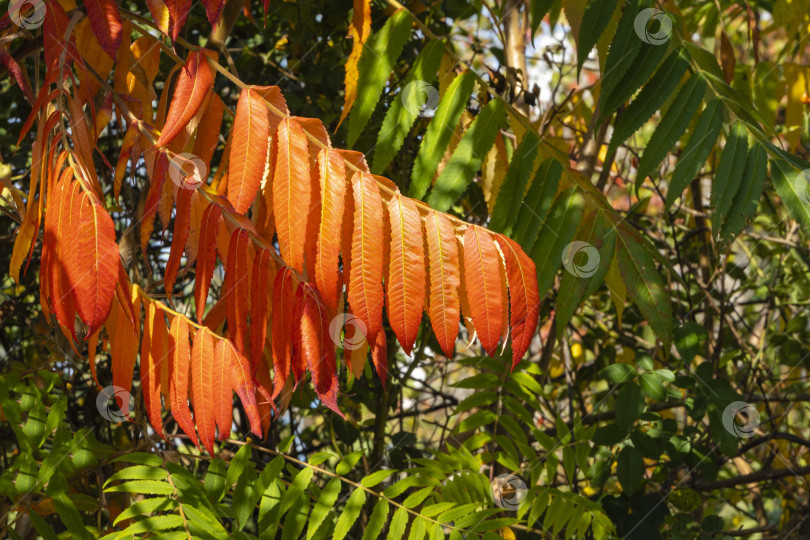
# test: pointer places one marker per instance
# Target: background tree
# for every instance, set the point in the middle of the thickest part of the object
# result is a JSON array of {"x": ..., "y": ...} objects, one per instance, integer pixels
[{"x": 633, "y": 174}]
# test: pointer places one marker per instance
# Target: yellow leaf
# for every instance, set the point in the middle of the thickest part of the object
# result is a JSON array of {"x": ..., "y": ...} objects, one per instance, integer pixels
[{"x": 359, "y": 30}]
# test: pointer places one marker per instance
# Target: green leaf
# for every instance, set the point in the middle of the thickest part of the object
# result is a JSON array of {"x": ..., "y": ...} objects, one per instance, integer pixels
[
  {"x": 246, "y": 494},
  {"x": 145, "y": 507},
  {"x": 645, "y": 286},
  {"x": 649, "y": 100},
  {"x": 348, "y": 462},
  {"x": 323, "y": 506},
  {"x": 296, "y": 520},
  {"x": 672, "y": 126},
  {"x": 630, "y": 469},
  {"x": 297, "y": 486},
  {"x": 559, "y": 229},
  {"x": 622, "y": 52},
  {"x": 688, "y": 337},
  {"x": 619, "y": 373},
  {"x": 476, "y": 400},
  {"x": 510, "y": 195},
  {"x": 609, "y": 435},
  {"x": 65, "y": 509},
  {"x": 399, "y": 487},
  {"x": 202, "y": 523},
  {"x": 153, "y": 523},
  {"x": 376, "y": 521},
  {"x": 418, "y": 529},
  {"x": 746, "y": 199},
  {"x": 629, "y": 405},
  {"x": 728, "y": 176},
  {"x": 537, "y": 203},
  {"x": 376, "y": 477},
  {"x": 214, "y": 482},
  {"x": 653, "y": 386},
  {"x": 476, "y": 420},
  {"x": 377, "y": 60},
  {"x": 151, "y": 487},
  {"x": 139, "y": 472},
  {"x": 594, "y": 21},
  {"x": 398, "y": 524},
  {"x": 417, "y": 497},
  {"x": 439, "y": 131},
  {"x": 350, "y": 514},
  {"x": 697, "y": 150},
  {"x": 238, "y": 465},
  {"x": 537, "y": 10},
  {"x": 467, "y": 156},
  {"x": 416, "y": 92},
  {"x": 792, "y": 187},
  {"x": 644, "y": 64},
  {"x": 583, "y": 277}
]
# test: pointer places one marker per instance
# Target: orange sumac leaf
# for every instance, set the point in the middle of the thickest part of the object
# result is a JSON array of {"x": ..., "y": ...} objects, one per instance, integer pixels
[
  {"x": 223, "y": 402},
  {"x": 202, "y": 386},
  {"x": 194, "y": 81},
  {"x": 242, "y": 383},
  {"x": 178, "y": 13},
  {"x": 524, "y": 298},
  {"x": 212, "y": 10},
  {"x": 237, "y": 287},
  {"x": 281, "y": 326},
  {"x": 206, "y": 257},
  {"x": 54, "y": 29},
  {"x": 93, "y": 272},
  {"x": 182, "y": 223},
  {"x": 443, "y": 269},
  {"x": 291, "y": 191},
  {"x": 365, "y": 281},
  {"x": 483, "y": 284},
  {"x": 180, "y": 352},
  {"x": 264, "y": 269},
  {"x": 154, "y": 353},
  {"x": 311, "y": 339},
  {"x": 333, "y": 194},
  {"x": 207, "y": 137},
  {"x": 156, "y": 180},
  {"x": 124, "y": 352},
  {"x": 105, "y": 20},
  {"x": 248, "y": 149},
  {"x": 379, "y": 357},
  {"x": 405, "y": 281}
]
